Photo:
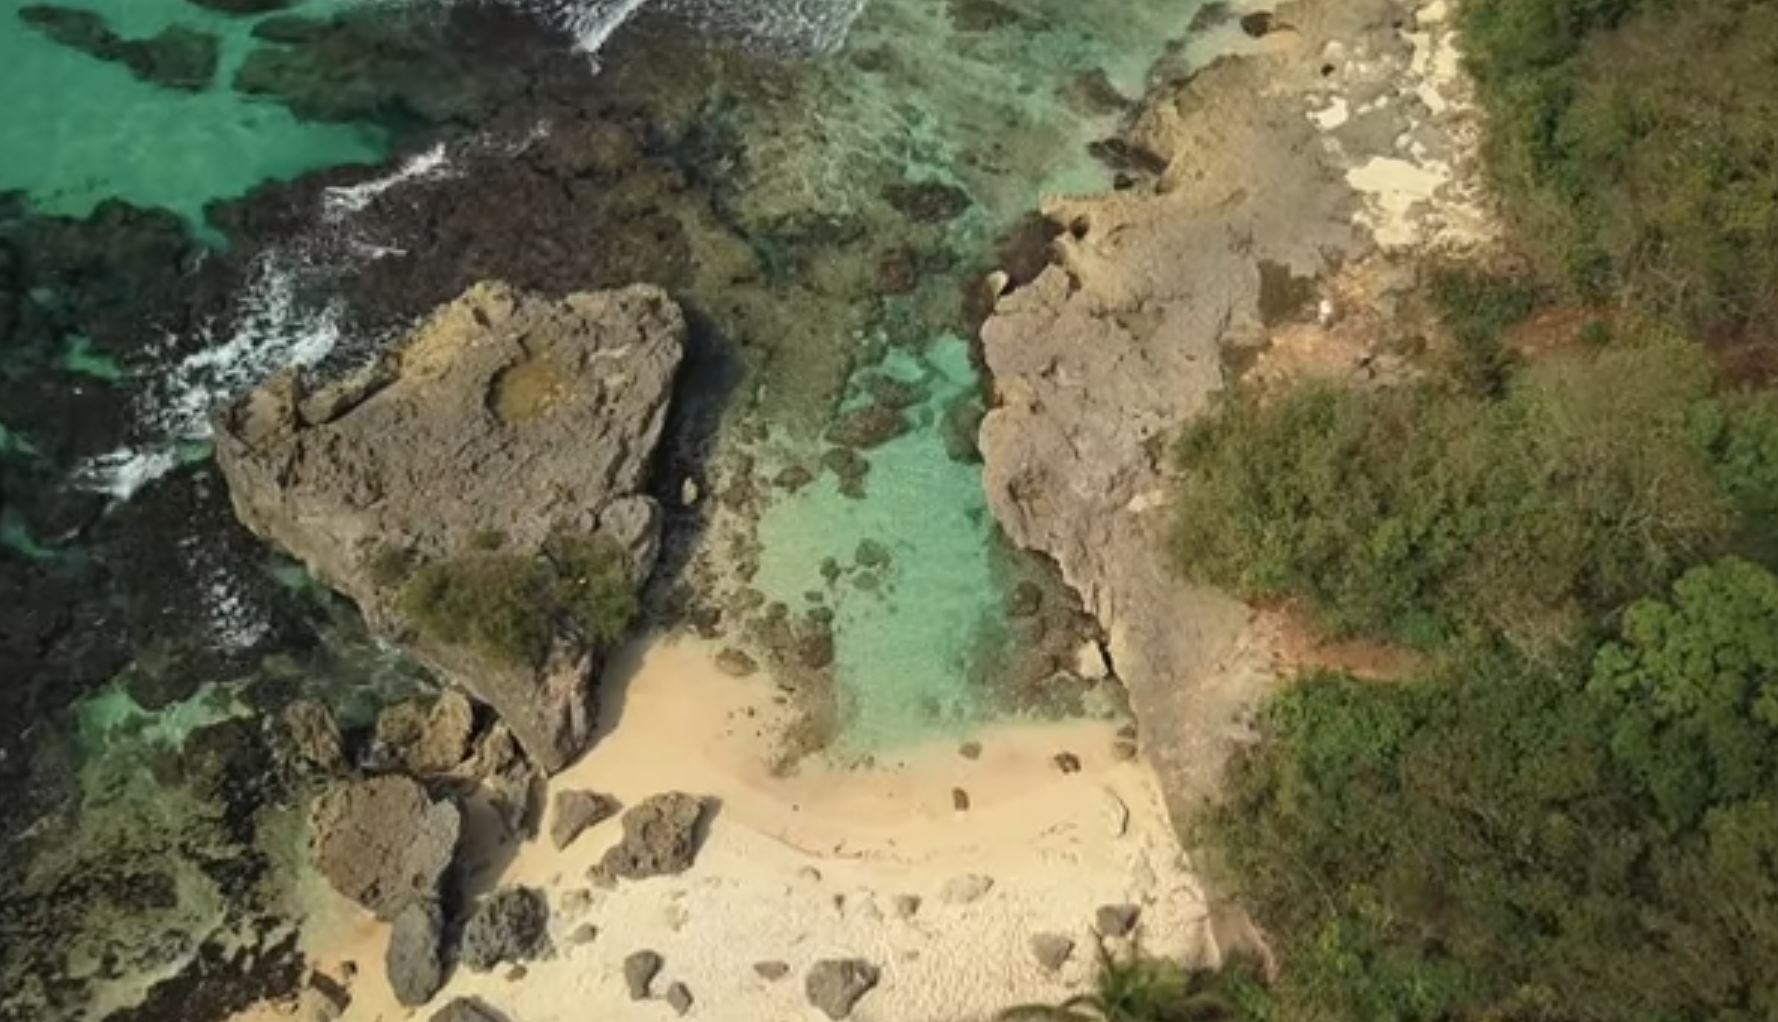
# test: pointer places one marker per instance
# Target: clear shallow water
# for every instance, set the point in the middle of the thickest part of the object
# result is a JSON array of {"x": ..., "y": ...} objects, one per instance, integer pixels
[
  {"x": 999, "y": 112},
  {"x": 78, "y": 130},
  {"x": 905, "y": 632}
]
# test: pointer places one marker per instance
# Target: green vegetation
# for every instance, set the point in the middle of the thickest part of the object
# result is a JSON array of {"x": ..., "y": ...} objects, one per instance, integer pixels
[
  {"x": 1637, "y": 144},
  {"x": 1421, "y": 514},
  {"x": 509, "y": 606},
  {"x": 1478, "y": 308},
  {"x": 389, "y": 565},
  {"x": 1582, "y": 837},
  {"x": 1139, "y": 988}
]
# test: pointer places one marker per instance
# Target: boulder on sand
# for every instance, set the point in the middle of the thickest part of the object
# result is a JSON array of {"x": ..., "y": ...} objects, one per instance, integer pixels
[
  {"x": 835, "y": 985},
  {"x": 539, "y": 420},
  {"x": 509, "y": 926},
  {"x": 660, "y": 837},
  {"x": 412, "y": 959},
  {"x": 575, "y": 811},
  {"x": 382, "y": 842}
]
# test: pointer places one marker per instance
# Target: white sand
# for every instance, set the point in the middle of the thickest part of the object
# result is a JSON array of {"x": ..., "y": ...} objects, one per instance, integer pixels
[{"x": 806, "y": 867}]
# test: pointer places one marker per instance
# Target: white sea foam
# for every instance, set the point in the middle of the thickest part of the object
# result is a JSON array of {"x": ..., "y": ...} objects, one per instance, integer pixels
[
  {"x": 343, "y": 200},
  {"x": 813, "y": 26},
  {"x": 273, "y": 332}
]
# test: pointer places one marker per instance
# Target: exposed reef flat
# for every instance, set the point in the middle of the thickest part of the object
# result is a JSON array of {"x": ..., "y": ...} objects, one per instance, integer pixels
[{"x": 1287, "y": 179}]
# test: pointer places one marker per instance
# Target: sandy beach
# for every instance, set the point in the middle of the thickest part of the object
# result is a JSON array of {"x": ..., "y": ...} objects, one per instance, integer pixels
[{"x": 810, "y": 865}]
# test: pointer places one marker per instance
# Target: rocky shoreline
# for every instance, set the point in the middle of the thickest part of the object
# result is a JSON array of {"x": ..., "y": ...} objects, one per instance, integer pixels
[{"x": 1295, "y": 190}]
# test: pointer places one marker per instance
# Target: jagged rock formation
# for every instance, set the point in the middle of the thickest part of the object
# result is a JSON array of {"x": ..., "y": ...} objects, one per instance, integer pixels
[
  {"x": 500, "y": 421},
  {"x": 382, "y": 842},
  {"x": 1339, "y": 137}
]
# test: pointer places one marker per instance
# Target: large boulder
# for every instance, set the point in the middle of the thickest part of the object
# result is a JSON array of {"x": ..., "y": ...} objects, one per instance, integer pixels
[
  {"x": 382, "y": 842},
  {"x": 660, "y": 837},
  {"x": 461, "y": 489}
]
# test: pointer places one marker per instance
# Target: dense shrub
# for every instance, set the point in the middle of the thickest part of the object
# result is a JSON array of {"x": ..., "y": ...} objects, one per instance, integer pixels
[
  {"x": 1418, "y": 513},
  {"x": 1637, "y": 143},
  {"x": 1136, "y": 987},
  {"x": 1573, "y": 838},
  {"x": 509, "y": 606}
]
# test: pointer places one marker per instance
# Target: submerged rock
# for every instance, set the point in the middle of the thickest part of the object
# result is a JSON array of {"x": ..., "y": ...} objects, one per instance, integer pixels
[
  {"x": 412, "y": 959},
  {"x": 539, "y": 419},
  {"x": 660, "y": 837},
  {"x": 508, "y": 926},
  {"x": 679, "y": 996},
  {"x": 382, "y": 842},
  {"x": 771, "y": 971},
  {"x": 835, "y": 985}
]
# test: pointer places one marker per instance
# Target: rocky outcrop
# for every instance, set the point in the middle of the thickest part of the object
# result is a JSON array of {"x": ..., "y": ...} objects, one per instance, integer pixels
[
  {"x": 1100, "y": 361},
  {"x": 536, "y": 418},
  {"x": 382, "y": 842},
  {"x": 174, "y": 58},
  {"x": 660, "y": 837}
]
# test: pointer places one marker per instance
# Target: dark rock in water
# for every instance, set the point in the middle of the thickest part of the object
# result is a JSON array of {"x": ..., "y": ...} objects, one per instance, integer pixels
[
  {"x": 1259, "y": 23},
  {"x": 585, "y": 933},
  {"x": 970, "y": 750},
  {"x": 850, "y": 466},
  {"x": 814, "y": 645},
  {"x": 508, "y": 926},
  {"x": 660, "y": 837},
  {"x": 893, "y": 393},
  {"x": 959, "y": 800},
  {"x": 174, "y": 58},
  {"x": 1091, "y": 93},
  {"x": 575, "y": 811},
  {"x": 1025, "y": 600},
  {"x": 426, "y": 737},
  {"x": 244, "y": 6},
  {"x": 640, "y": 969},
  {"x": 1116, "y": 920},
  {"x": 315, "y": 736},
  {"x": 1120, "y": 154},
  {"x": 382, "y": 842},
  {"x": 870, "y": 426},
  {"x": 506, "y": 402},
  {"x": 367, "y": 65},
  {"x": 982, "y": 15},
  {"x": 835, "y": 985},
  {"x": 467, "y": 1009},
  {"x": 679, "y": 996},
  {"x": 898, "y": 271},
  {"x": 928, "y": 202},
  {"x": 412, "y": 960},
  {"x": 1067, "y": 762},
  {"x": 962, "y": 425},
  {"x": 871, "y": 554},
  {"x": 772, "y": 971},
  {"x": 291, "y": 29},
  {"x": 793, "y": 478}
]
